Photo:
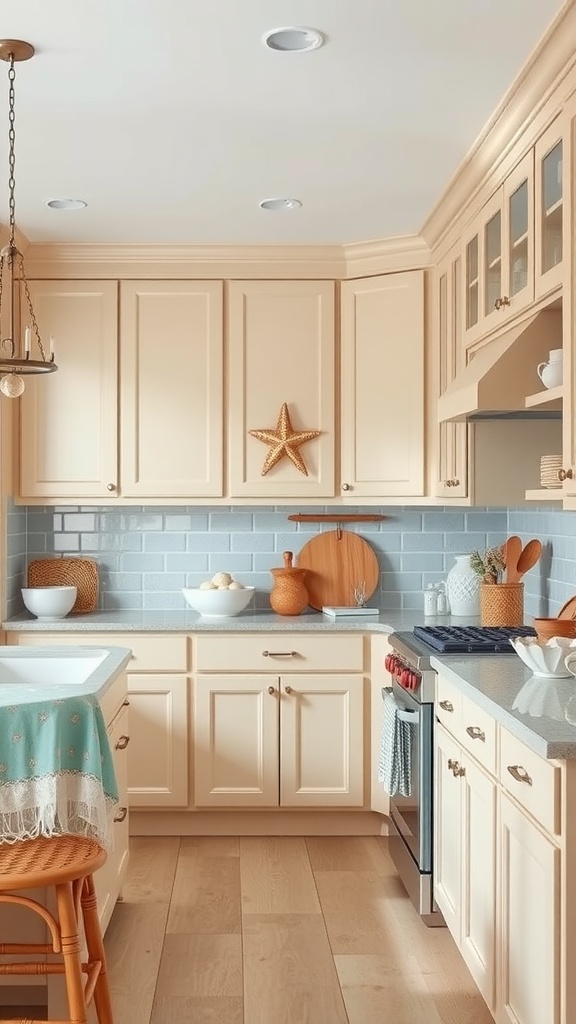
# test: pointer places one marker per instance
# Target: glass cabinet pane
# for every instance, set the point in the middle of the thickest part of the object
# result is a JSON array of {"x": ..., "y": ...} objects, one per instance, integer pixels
[
  {"x": 518, "y": 254},
  {"x": 551, "y": 208},
  {"x": 492, "y": 262},
  {"x": 472, "y": 282}
]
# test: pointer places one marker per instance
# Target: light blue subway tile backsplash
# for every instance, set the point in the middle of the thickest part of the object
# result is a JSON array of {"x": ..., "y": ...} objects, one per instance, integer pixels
[{"x": 146, "y": 554}]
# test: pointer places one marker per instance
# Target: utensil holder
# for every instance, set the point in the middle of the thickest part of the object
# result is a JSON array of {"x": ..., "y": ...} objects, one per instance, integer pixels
[{"x": 502, "y": 604}]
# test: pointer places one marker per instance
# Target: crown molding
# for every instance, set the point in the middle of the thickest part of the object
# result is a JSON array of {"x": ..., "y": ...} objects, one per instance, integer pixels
[
  {"x": 524, "y": 112},
  {"x": 387, "y": 255}
]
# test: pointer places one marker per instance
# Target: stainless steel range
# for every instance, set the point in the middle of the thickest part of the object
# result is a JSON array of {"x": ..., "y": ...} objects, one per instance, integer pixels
[{"x": 412, "y": 688}]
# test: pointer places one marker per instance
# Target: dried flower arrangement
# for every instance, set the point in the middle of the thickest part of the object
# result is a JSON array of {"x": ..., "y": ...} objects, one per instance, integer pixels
[{"x": 490, "y": 565}]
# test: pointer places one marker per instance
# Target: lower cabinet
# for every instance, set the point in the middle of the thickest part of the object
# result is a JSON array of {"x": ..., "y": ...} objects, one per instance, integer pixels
[
  {"x": 158, "y": 764},
  {"x": 503, "y": 850},
  {"x": 109, "y": 879},
  {"x": 465, "y": 858},
  {"x": 289, "y": 741}
]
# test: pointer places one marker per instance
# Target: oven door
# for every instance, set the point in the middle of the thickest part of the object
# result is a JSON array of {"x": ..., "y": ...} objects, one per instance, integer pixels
[{"x": 412, "y": 815}]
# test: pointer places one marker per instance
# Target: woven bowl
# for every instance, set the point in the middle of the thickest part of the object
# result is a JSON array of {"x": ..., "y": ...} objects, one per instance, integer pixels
[
  {"x": 546, "y": 659},
  {"x": 548, "y": 628},
  {"x": 218, "y": 604}
]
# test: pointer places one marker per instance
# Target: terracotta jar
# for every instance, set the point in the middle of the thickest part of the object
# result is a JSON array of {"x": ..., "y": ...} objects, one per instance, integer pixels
[{"x": 289, "y": 595}]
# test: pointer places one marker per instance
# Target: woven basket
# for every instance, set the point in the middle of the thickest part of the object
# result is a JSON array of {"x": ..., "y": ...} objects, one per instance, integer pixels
[
  {"x": 289, "y": 595},
  {"x": 502, "y": 604},
  {"x": 81, "y": 573}
]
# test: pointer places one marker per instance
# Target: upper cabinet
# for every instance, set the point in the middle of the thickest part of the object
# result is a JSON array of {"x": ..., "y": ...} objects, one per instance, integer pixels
[
  {"x": 68, "y": 419},
  {"x": 382, "y": 386},
  {"x": 171, "y": 388},
  {"x": 281, "y": 351},
  {"x": 514, "y": 250},
  {"x": 451, "y": 447}
]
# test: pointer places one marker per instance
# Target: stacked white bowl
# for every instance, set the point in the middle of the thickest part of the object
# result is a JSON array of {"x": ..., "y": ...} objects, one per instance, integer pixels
[{"x": 549, "y": 466}]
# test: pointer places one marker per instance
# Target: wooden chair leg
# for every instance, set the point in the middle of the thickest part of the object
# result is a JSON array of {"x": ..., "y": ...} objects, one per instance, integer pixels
[
  {"x": 95, "y": 947},
  {"x": 71, "y": 953}
]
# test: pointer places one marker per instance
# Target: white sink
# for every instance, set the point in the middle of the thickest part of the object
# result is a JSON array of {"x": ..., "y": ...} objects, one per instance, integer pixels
[{"x": 44, "y": 669}]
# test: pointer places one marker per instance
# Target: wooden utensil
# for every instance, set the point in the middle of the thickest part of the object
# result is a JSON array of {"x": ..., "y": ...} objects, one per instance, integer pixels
[
  {"x": 338, "y": 563},
  {"x": 568, "y": 610},
  {"x": 529, "y": 556},
  {"x": 513, "y": 549}
]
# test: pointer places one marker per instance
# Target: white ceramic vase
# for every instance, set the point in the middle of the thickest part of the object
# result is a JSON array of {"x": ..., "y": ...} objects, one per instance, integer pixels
[
  {"x": 550, "y": 373},
  {"x": 463, "y": 588}
]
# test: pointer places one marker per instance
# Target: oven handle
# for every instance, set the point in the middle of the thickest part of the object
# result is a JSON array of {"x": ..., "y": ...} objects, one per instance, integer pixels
[{"x": 403, "y": 713}]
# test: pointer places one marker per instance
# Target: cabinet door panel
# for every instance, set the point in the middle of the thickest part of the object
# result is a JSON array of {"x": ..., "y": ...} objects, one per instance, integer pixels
[
  {"x": 281, "y": 350},
  {"x": 382, "y": 416},
  {"x": 478, "y": 900},
  {"x": 108, "y": 880},
  {"x": 321, "y": 748},
  {"x": 171, "y": 367},
  {"x": 158, "y": 753},
  {"x": 447, "y": 833},
  {"x": 530, "y": 914},
  {"x": 68, "y": 426},
  {"x": 236, "y": 741}
]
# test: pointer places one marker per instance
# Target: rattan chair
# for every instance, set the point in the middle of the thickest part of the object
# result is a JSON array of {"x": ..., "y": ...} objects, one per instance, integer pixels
[{"x": 65, "y": 863}]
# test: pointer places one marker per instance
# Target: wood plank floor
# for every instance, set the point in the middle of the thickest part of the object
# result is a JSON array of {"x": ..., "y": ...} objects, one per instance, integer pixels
[{"x": 278, "y": 931}]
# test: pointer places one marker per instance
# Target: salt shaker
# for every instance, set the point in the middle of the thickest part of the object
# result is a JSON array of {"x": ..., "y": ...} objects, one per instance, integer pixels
[
  {"x": 430, "y": 600},
  {"x": 443, "y": 608}
]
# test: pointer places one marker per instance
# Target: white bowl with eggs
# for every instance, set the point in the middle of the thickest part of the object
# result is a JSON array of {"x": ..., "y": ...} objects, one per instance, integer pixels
[{"x": 219, "y": 598}]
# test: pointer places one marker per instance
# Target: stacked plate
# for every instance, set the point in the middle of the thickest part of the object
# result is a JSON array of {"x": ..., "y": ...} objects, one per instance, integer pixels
[{"x": 549, "y": 467}]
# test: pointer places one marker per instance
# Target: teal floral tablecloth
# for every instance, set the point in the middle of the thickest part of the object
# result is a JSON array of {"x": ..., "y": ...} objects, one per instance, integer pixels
[{"x": 56, "y": 771}]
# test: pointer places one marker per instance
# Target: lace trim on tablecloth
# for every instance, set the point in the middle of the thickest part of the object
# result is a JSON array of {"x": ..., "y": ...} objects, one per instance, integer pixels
[{"x": 50, "y": 805}]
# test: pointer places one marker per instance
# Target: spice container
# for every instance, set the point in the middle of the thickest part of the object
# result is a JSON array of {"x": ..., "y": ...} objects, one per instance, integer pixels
[{"x": 430, "y": 600}]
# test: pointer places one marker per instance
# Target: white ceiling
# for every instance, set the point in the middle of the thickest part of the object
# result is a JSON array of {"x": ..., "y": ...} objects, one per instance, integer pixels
[{"x": 172, "y": 120}]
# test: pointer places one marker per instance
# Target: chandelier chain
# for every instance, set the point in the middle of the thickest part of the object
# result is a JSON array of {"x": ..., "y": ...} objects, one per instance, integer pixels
[{"x": 11, "y": 149}]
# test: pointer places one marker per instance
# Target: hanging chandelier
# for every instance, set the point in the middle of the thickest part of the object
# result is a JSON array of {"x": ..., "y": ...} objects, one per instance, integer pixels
[{"x": 17, "y": 347}]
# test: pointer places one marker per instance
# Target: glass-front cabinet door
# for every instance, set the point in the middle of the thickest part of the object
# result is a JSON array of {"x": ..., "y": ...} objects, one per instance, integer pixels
[
  {"x": 498, "y": 256},
  {"x": 551, "y": 229},
  {"x": 452, "y": 438}
]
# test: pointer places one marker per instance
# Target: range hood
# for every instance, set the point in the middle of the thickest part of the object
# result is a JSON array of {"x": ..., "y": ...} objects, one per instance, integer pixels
[{"x": 496, "y": 381}]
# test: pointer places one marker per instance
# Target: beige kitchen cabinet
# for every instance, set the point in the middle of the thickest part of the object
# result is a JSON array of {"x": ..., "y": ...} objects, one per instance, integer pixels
[
  {"x": 171, "y": 389},
  {"x": 158, "y": 693},
  {"x": 504, "y": 848},
  {"x": 553, "y": 157},
  {"x": 281, "y": 350},
  {"x": 109, "y": 879},
  {"x": 68, "y": 419},
  {"x": 465, "y": 858},
  {"x": 498, "y": 255},
  {"x": 382, "y": 386},
  {"x": 451, "y": 454},
  {"x": 278, "y": 721},
  {"x": 379, "y": 648}
]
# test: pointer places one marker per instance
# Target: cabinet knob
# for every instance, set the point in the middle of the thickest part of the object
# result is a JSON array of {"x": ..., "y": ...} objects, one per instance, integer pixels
[
  {"x": 346, "y": 487},
  {"x": 288, "y": 689},
  {"x": 503, "y": 301},
  {"x": 519, "y": 773},
  {"x": 476, "y": 733},
  {"x": 446, "y": 705},
  {"x": 271, "y": 690},
  {"x": 123, "y": 811},
  {"x": 451, "y": 483},
  {"x": 111, "y": 487},
  {"x": 123, "y": 743},
  {"x": 565, "y": 474}
]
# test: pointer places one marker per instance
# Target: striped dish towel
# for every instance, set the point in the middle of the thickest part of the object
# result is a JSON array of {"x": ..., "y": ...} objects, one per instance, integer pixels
[{"x": 395, "y": 762}]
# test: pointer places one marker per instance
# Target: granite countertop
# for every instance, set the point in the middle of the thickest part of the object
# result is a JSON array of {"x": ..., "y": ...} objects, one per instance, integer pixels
[
  {"x": 541, "y": 712},
  {"x": 191, "y": 622}
]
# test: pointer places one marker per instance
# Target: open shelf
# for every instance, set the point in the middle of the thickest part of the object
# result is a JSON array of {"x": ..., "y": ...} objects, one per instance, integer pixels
[
  {"x": 552, "y": 397},
  {"x": 545, "y": 494}
]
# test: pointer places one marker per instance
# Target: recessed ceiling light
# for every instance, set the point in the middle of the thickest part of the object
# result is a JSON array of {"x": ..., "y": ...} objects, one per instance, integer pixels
[
  {"x": 66, "y": 204},
  {"x": 293, "y": 40},
  {"x": 280, "y": 204}
]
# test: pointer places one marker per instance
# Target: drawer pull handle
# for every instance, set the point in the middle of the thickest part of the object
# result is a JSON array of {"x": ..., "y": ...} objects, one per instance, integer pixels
[
  {"x": 271, "y": 690},
  {"x": 519, "y": 773},
  {"x": 456, "y": 768},
  {"x": 476, "y": 733},
  {"x": 126, "y": 704},
  {"x": 123, "y": 743},
  {"x": 446, "y": 705},
  {"x": 279, "y": 654},
  {"x": 121, "y": 815}
]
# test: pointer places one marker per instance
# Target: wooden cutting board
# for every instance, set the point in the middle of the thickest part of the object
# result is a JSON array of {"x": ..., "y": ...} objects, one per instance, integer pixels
[
  {"x": 81, "y": 573},
  {"x": 337, "y": 562}
]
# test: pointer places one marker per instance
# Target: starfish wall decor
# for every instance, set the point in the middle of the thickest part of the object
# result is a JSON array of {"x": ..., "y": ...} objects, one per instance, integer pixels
[{"x": 284, "y": 441}]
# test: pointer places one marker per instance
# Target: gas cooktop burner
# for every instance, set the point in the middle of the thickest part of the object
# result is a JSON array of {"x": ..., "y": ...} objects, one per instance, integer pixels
[{"x": 471, "y": 639}]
